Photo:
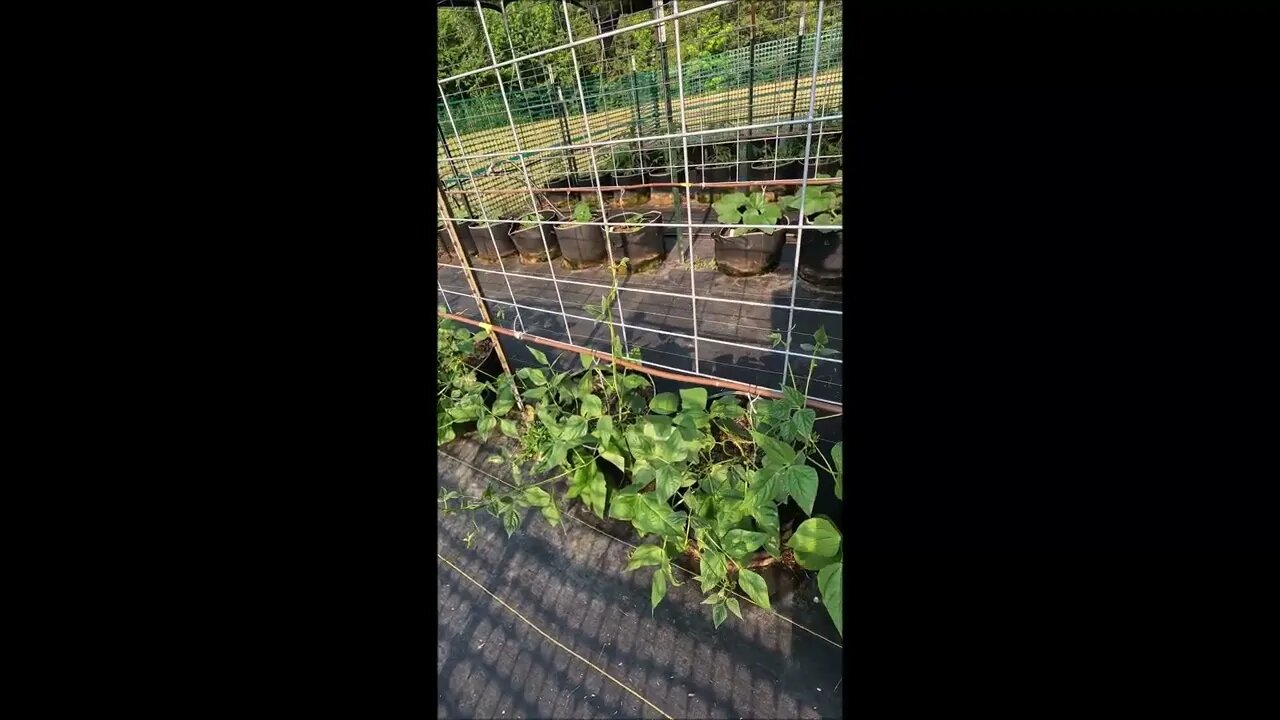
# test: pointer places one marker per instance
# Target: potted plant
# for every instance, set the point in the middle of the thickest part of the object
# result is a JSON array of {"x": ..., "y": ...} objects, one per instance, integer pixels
[
  {"x": 754, "y": 247},
  {"x": 748, "y": 153},
  {"x": 581, "y": 246},
  {"x": 466, "y": 368},
  {"x": 821, "y": 251},
  {"x": 777, "y": 162},
  {"x": 529, "y": 234},
  {"x": 827, "y": 160},
  {"x": 492, "y": 239},
  {"x": 640, "y": 239},
  {"x": 718, "y": 167},
  {"x": 585, "y": 183}
]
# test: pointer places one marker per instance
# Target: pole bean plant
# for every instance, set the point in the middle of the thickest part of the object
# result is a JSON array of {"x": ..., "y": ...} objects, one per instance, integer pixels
[{"x": 720, "y": 478}]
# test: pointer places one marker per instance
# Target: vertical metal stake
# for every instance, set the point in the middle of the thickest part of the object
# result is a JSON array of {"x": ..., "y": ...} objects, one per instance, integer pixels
[
  {"x": 751, "y": 70},
  {"x": 454, "y": 166},
  {"x": 795, "y": 72}
]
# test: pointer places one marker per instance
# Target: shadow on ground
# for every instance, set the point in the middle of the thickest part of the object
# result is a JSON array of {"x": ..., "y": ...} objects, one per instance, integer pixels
[{"x": 569, "y": 582}]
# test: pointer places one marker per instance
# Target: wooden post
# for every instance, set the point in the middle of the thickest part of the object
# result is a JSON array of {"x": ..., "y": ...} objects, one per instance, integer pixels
[{"x": 475, "y": 289}]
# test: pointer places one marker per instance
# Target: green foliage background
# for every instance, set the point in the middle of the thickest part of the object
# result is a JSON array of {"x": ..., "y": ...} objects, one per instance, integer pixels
[{"x": 539, "y": 24}]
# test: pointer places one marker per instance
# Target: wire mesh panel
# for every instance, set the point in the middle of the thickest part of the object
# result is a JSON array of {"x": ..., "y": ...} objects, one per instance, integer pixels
[{"x": 688, "y": 152}]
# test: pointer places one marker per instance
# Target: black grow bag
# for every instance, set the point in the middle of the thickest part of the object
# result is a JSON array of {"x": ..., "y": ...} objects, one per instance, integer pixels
[
  {"x": 712, "y": 174},
  {"x": 529, "y": 240},
  {"x": 581, "y": 246},
  {"x": 585, "y": 186},
  {"x": 755, "y": 253},
  {"x": 663, "y": 175},
  {"x": 490, "y": 367},
  {"x": 629, "y": 198},
  {"x": 487, "y": 370},
  {"x": 825, "y": 166},
  {"x": 643, "y": 246},
  {"x": 822, "y": 256},
  {"x": 560, "y": 189},
  {"x": 789, "y": 170},
  {"x": 485, "y": 244}
]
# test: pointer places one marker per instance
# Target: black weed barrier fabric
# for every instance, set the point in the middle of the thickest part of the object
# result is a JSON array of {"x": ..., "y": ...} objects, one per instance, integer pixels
[{"x": 570, "y": 583}]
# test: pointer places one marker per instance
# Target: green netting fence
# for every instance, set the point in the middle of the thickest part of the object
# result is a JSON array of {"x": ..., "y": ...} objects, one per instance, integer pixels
[{"x": 774, "y": 60}]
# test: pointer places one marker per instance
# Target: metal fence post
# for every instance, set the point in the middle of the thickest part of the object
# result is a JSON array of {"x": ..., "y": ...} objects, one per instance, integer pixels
[
  {"x": 751, "y": 70},
  {"x": 795, "y": 82}
]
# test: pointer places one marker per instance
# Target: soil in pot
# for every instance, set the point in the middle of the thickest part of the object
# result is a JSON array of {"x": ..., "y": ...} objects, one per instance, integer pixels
[
  {"x": 529, "y": 240},
  {"x": 822, "y": 257},
  {"x": 754, "y": 253},
  {"x": 640, "y": 239},
  {"x": 581, "y": 246},
  {"x": 501, "y": 238}
]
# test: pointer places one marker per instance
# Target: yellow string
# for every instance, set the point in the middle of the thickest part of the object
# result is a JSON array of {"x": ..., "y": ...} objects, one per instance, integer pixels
[{"x": 553, "y": 640}]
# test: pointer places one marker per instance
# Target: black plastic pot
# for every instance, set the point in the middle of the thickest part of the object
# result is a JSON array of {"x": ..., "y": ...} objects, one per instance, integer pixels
[
  {"x": 643, "y": 246},
  {"x": 755, "y": 253},
  {"x": 490, "y": 367},
  {"x": 712, "y": 173},
  {"x": 559, "y": 181},
  {"x": 826, "y": 167},
  {"x": 663, "y": 175},
  {"x": 629, "y": 198},
  {"x": 581, "y": 246},
  {"x": 822, "y": 257},
  {"x": 486, "y": 370},
  {"x": 443, "y": 243},
  {"x": 501, "y": 237},
  {"x": 585, "y": 185},
  {"x": 765, "y": 171},
  {"x": 444, "y": 246},
  {"x": 529, "y": 240}
]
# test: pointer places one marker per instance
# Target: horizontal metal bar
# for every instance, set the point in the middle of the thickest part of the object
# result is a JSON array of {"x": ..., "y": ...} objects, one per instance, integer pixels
[
  {"x": 697, "y": 378},
  {"x": 588, "y": 40},
  {"x": 669, "y": 136},
  {"x": 807, "y": 226},
  {"x": 647, "y": 185},
  {"x": 634, "y": 326},
  {"x": 646, "y": 291}
]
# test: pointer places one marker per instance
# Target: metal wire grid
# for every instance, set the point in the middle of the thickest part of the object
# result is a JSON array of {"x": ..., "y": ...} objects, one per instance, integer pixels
[{"x": 531, "y": 152}]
